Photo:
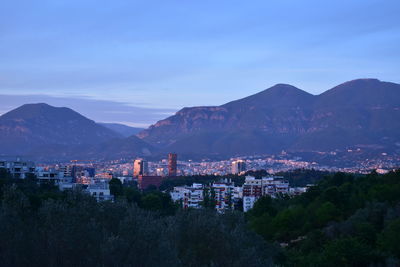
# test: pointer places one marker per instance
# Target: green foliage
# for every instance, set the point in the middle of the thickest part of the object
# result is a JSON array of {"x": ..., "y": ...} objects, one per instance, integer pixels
[
  {"x": 302, "y": 177},
  {"x": 72, "y": 229},
  {"x": 209, "y": 198},
  {"x": 205, "y": 234},
  {"x": 152, "y": 202},
  {"x": 344, "y": 219},
  {"x": 116, "y": 187},
  {"x": 389, "y": 238},
  {"x": 347, "y": 252},
  {"x": 327, "y": 212},
  {"x": 263, "y": 205},
  {"x": 133, "y": 195}
]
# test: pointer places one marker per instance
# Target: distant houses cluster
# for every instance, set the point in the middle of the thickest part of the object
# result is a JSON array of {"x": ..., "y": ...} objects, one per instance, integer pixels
[
  {"x": 226, "y": 196},
  {"x": 222, "y": 195}
]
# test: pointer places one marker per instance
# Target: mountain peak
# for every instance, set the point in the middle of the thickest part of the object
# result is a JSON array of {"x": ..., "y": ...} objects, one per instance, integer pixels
[
  {"x": 364, "y": 80},
  {"x": 279, "y": 94},
  {"x": 35, "y": 125},
  {"x": 37, "y": 106},
  {"x": 361, "y": 82},
  {"x": 362, "y": 92},
  {"x": 282, "y": 86},
  {"x": 27, "y": 111}
]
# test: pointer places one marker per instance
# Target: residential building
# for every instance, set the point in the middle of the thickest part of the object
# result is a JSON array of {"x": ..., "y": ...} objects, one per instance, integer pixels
[
  {"x": 18, "y": 169},
  {"x": 254, "y": 188},
  {"x": 99, "y": 190},
  {"x": 188, "y": 196},
  {"x": 223, "y": 191},
  {"x": 49, "y": 176}
]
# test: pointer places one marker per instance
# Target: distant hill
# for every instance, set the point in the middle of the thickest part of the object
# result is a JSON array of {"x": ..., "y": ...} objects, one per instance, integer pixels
[
  {"x": 363, "y": 113},
  {"x": 122, "y": 129},
  {"x": 46, "y": 132}
]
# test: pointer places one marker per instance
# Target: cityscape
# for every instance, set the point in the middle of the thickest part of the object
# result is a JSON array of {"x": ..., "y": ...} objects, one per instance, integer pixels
[
  {"x": 226, "y": 195},
  {"x": 94, "y": 177},
  {"x": 199, "y": 133}
]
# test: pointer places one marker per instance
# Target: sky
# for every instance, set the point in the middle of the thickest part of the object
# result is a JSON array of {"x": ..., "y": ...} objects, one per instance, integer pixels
[{"x": 136, "y": 62}]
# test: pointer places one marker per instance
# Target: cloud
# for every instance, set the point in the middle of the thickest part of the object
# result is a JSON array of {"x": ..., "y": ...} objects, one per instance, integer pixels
[{"x": 97, "y": 110}]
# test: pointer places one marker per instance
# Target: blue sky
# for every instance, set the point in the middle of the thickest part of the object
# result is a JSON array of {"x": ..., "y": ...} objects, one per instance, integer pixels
[{"x": 155, "y": 57}]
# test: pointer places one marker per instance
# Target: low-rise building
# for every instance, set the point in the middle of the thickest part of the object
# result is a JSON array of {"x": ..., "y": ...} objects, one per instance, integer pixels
[
  {"x": 19, "y": 169},
  {"x": 49, "y": 176},
  {"x": 226, "y": 196},
  {"x": 99, "y": 190}
]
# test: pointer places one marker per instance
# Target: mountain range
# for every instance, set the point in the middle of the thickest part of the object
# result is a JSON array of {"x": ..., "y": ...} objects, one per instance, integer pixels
[
  {"x": 45, "y": 132},
  {"x": 363, "y": 113}
]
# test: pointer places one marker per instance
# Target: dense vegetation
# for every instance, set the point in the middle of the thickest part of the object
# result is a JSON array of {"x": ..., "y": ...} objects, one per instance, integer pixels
[
  {"x": 343, "y": 220},
  {"x": 41, "y": 226},
  {"x": 302, "y": 177}
]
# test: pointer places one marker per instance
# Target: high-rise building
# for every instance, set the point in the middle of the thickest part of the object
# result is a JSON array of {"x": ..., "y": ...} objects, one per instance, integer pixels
[
  {"x": 140, "y": 167},
  {"x": 238, "y": 166},
  {"x": 172, "y": 165}
]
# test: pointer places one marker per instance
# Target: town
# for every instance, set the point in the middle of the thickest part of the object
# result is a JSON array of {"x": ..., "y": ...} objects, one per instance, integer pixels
[{"x": 222, "y": 194}]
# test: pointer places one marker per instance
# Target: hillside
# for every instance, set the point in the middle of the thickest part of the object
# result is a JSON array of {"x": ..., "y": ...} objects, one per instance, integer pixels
[
  {"x": 122, "y": 129},
  {"x": 45, "y": 132},
  {"x": 361, "y": 113}
]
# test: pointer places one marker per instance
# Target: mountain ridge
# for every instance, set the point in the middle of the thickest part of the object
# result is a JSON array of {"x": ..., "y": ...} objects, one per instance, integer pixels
[
  {"x": 359, "y": 112},
  {"x": 40, "y": 130},
  {"x": 363, "y": 113}
]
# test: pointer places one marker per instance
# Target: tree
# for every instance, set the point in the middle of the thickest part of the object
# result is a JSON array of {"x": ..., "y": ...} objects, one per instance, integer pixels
[
  {"x": 132, "y": 195},
  {"x": 209, "y": 198},
  {"x": 152, "y": 202},
  {"x": 389, "y": 239},
  {"x": 263, "y": 205},
  {"x": 325, "y": 213},
  {"x": 347, "y": 252},
  {"x": 115, "y": 187}
]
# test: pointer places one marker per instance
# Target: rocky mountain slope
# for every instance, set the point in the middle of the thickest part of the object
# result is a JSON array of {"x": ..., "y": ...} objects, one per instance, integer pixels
[
  {"x": 364, "y": 113},
  {"x": 47, "y": 132}
]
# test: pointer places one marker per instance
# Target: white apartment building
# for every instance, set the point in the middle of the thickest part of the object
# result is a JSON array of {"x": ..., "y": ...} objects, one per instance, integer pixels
[
  {"x": 189, "y": 196},
  {"x": 226, "y": 195},
  {"x": 254, "y": 188},
  {"x": 18, "y": 169},
  {"x": 248, "y": 202},
  {"x": 99, "y": 190},
  {"x": 49, "y": 176}
]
